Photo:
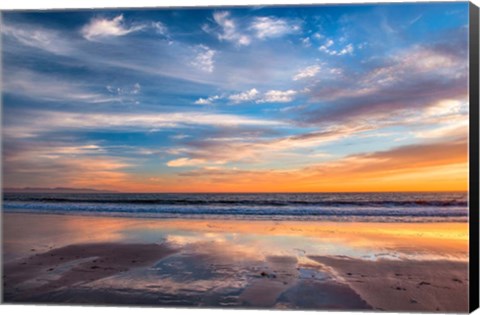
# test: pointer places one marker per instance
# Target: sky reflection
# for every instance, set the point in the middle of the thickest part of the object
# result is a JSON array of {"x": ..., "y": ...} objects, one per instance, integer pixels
[{"x": 243, "y": 238}]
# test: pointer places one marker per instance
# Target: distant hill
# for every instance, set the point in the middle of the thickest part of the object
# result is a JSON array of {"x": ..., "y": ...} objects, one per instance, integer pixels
[{"x": 58, "y": 190}]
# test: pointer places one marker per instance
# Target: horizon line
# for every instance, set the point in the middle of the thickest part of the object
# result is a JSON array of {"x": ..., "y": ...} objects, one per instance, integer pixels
[{"x": 237, "y": 192}]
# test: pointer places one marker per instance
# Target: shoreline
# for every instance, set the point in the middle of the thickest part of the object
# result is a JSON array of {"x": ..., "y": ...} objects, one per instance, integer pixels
[{"x": 276, "y": 218}]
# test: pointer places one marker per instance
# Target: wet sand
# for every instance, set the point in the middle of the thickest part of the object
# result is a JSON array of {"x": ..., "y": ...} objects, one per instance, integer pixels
[
  {"x": 405, "y": 285},
  {"x": 75, "y": 264},
  {"x": 283, "y": 265}
]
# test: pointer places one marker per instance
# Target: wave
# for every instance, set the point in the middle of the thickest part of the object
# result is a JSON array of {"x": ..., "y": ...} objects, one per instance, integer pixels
[
  {"x": 277, "y": 200},
  {"x": 273, "y": 213},
  {"x": 338, "y": 207}
]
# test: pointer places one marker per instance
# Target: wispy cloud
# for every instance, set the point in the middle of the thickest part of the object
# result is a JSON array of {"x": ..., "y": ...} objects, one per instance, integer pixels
[
  {"x": 182, "y": 162},
  {"x": 37, "y": 37},
  {"x": 454, "y": 130},
  {"x": 276, "y": 96},
  {"x": 46, "y": 87},
  {"x": 256, "y": 149},
  {"x": 307, "y": 72},
  {"x": 262, "y": 27},
  {"x": 306, "y": 42},
  {"x": 70, "y": 165},
  {"x": 180, "y": 136},
  {"x": 99, "y": 28},
  {"x": 129, "y": 90},
  {"x": 269, "y": 27},
  {"x": 204, "y": 58},
  {"x": 445, "y": 119},
  {"x": 229, "y": 28},
  {"x": 160, "y": 28},
  {"x": 34, "y": 122}
]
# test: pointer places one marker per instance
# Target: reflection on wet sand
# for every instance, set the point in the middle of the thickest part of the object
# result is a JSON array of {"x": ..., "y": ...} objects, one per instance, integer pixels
[{"x": 280, "y": 264}]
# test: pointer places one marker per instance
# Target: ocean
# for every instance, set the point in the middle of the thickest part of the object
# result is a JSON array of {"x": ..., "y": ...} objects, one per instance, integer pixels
[{"x": 363, "y": 207}]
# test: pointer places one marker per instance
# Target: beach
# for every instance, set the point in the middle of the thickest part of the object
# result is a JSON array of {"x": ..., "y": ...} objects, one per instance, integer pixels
[{"x": 72, "y": 259}]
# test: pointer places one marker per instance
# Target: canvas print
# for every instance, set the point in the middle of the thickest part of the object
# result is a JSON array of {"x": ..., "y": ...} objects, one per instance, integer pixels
[{"x": 279, "y": 157}]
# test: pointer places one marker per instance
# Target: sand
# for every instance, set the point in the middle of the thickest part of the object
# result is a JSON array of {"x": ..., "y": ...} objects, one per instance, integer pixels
[
  {"x": 66, "y": 259},
  {"x": 279, "y": 272},
  {"x": 405, "y": 285},
  {"x": 75, "y": 264}
]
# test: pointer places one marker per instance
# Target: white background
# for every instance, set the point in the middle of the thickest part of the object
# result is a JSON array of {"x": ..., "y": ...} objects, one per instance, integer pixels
[{"x": 81, "y": 310}]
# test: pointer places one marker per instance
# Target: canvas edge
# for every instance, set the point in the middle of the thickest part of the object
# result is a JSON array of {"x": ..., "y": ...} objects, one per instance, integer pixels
[
  {"x": 473, "y": 157},
  {"x": 1, "y": 157}
]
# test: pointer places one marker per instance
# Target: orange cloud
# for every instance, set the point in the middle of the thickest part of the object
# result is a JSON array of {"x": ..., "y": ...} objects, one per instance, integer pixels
[
  {"x": 433, "y": 166},
  {"x": 422, "y": 167}
]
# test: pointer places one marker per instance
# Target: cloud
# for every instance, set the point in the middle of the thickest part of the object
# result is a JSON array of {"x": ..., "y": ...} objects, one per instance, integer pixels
[
  {"x": 347, "y": 50},
  {"x": 446, "y": 107},
  {"x": 306, "y": 42},
  {"x": 454, "y": 130},
  {"x": 258, "y": 27},
  {"x": 326, "y": 48},
  {"x": 203, "y": 101},
  {"x": 426, "y": 166},
  {"x": 243, "y": 146},
  {"x": 136, "y": 88},
  {"x": 292, "y": 108},
  {"x": 204, "y": 58},
  {"x": 99, "y": 28},
  {"x": 269, "y": 27},
  {"x": 229, "y": 29},
  {"x": 276, "y": 96},
  {"x": 50, "y": 150},
  {"x": 443, "y": 120},
  {"x": 253, "y": 95},
  {"x": 160, "y": 28},
  {"x": 436, "y": 165},
  {"x": 32, "y": 123},
  {"x": 250, "y": 95},
  {"x": 182, "y": 162},
  {"x": 327, "y": 45},
  {"x": 307, "y": 72},
  {"x": 428, "y": 59},
  {"x": 37, "y": 37},
  {"x": 42, "y": 86},
  {"x": 208, "y": 100},
  {"x": 418, "y": 91},
  {"x": 395, "y": 87},
  {"x": 129, "y": 90},
  {"x": 179, "y": 136},
  {"x": 176, "y": 59},
  {"x": 408, "y": 157},
  {"x": 71, "y": 165}
]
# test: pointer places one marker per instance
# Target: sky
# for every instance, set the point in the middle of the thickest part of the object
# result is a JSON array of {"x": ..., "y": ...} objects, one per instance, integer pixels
[{"x": 369, "y": 97}]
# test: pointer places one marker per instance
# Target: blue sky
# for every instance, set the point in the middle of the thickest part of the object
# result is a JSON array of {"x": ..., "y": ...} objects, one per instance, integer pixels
[{"x": 165, "y": 100}]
